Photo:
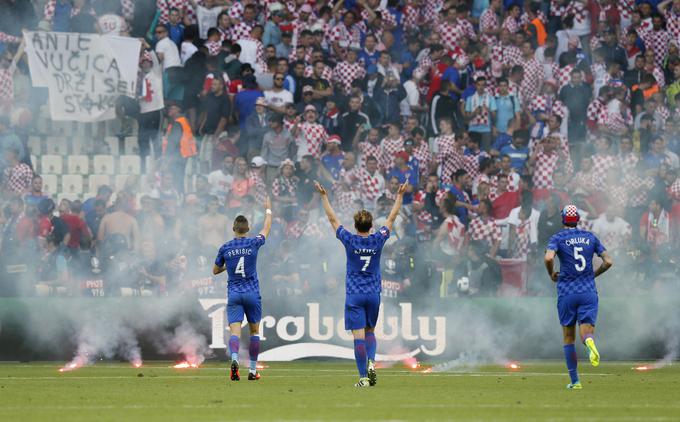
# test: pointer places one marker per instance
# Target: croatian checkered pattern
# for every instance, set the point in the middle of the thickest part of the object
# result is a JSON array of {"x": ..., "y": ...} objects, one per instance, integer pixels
[
  {"x": 625, "y": 8},
  {"x": 315, "y": 136},
  {"x": 127, "y": 8},
  {"x": 6, "y": 87},
  {"x": 389, "y": 148},
  {"x": 488, "y": 20},
  {"x": 358, "y": 281},
  {"x": 547, "y": 104},
  {"x": 387, "y": 18},
  {"x": 424, "y": 157},
  {"x": 308, "y": 55},
  {"x": 595, "y": 110},
  {"x": 618, "y": 197},
  {"x": 225, "y": 33},
  {"x": 485, "y": 229},
  {"x": 638, "y": 188},
  {"x": 249, "y": 283},
  {"x": 370, "y": 186},
  {"x": 426, "y": 63},
  {"x": 583, "y": 181},
  {"x": 628, "y": 161},
  {"x": 164, "y": 7},
  {"x": 570, "y": 281},
  {"x": 511, "y": 25},
  {"x": 579, "y": 11},
  {"x": 564, "y": 76},
  {"x": 471, "y": 164},
  {"x": 673, "y": 22},
  {"x": 241, "y": 31},
  {"x": 430, "y": 10},
  {"x": 367, "y": 149},
  {"x": 326, "y": 74},
  {"x": 661, "y": 114},
  {"x": 288, "y": 123},
  {"x": 259, "y": 188},
  {"x": 18, "y": 178},
  {"x": 236, "y": 11},
  {"x": 344, "y": 201},
  {"x": 284, "y": 187},
  {"x": 345, "y": 37},
  {"x": 456, "y": 233},
  {"x": 616, "y": 121},
  {"x": 345, "y": 73},
  {"x": 449, "y": 156},
  {"x": 307, "y": 230},
  {"x": 544, "y": 167},
  {"x": 507, "y": 55},
  {"x": 450, "y": 34},
  {"x": 213, "y": 47},
  {"x": 674, "y": 190},
  {"x": 657, "y": 41},
  {"x": 533, "y": 74}
]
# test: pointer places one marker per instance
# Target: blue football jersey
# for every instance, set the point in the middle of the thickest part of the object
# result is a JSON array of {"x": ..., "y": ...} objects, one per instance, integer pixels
[
  {"x": 575, "y": 249},
  {"x": 240, "y": 256},
  {"x": 363, "y": 260}
]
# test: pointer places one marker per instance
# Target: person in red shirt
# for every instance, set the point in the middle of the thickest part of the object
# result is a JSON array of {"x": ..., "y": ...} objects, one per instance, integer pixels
[
  {"x": 505, "y": 200},
  {"x": 77, "y": 229}
]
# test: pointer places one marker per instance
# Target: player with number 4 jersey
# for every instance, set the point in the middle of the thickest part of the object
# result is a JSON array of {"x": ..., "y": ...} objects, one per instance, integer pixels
[
  {"x": 363, "y": 281},
  {"x": 238, "y": 258},
  {"x": 577, "y": 299}
]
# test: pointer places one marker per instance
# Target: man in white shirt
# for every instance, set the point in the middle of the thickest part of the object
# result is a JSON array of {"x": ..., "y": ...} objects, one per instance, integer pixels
[
  {"x": 168, "y": 55},
  {"x": 221, "y": 179},
  {"x": 278, "y": 97},
  {"x": 612, "y": 230},
  {"x": 410, "y": 106}
]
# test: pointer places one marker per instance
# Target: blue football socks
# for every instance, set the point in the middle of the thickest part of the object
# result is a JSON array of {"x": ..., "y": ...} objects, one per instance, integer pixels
[
  {"x": 254, "y": 350},
  {"x": 572, "y": 362},
  {"x": 360, "y": 357},
  {"x": 371, "y": 345},
  {"x": 233, "y": 347}
]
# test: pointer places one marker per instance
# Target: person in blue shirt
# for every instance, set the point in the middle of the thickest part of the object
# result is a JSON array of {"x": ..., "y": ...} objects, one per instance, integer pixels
[
  {"x": 369, "y": 55},
  {"x": 363, "y": 281},
  {"x": 458, "y": 188},
  {"x": 577, "y": 299},
  {"x": 238, "y": 258},
  {"x": 507, "y": 105},
  {"x": 517, "y": 150},
  {"x": 175, "y": 26},
  {"x": 405, "y": 174}
]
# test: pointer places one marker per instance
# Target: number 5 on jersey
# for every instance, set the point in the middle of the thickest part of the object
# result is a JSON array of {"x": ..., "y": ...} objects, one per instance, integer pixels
[
  {"x": 577, "y": 256},
  {"x": 367, "y": 262},
  {"x": 241, "y": 267}
]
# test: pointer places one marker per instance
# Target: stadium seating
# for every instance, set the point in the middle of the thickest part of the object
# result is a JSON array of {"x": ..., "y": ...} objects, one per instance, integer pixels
[
  {"x": 72, "y": 184},
  {"x": 131, "y": 145},
  {"x": 56, "y": 145},
  {"x": 104, "y": 164},
  {"x": 96, "y": 180},
  {"x": 79, "y": 164},
  {"x": 130, "y": 164},
  {"x": 35, "y": 145},
  {"x": 113, "y": 145},
  {"x": 52, "y": 164},
  {"x": 50, "y": 183}
]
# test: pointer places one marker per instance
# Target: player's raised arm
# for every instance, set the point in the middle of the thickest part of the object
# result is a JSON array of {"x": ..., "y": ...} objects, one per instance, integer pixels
[
  {"x": 607, "y": 263},
  {"x": 397, "y": 206},
  {"x": 267, "y": 217},
  {"x": 332, "y": 218},
  {"x": 549, "y": 264}
]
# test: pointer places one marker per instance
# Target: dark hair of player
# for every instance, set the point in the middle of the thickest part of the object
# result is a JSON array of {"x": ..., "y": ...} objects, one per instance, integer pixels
[
  {"x": 363, "y": 221},
  {"x": 241, "y": 225}
]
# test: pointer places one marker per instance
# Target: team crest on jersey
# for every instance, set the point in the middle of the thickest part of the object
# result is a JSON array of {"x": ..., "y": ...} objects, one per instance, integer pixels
[{"x": 383, "y": 231}]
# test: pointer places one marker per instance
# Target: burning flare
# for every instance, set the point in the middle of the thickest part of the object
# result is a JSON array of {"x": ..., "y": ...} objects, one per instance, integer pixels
[
  {"x": 513, "y": 365},
  {"x": 77, "y": 362},
  {"x": 186, "y": 365}
]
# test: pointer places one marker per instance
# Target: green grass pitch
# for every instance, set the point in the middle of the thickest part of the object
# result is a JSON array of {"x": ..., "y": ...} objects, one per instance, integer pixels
[{"x": 324, "y": 391}]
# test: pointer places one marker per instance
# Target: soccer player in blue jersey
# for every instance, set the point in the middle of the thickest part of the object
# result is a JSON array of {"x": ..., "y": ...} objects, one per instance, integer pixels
[
  {"x": 576, "y": 293},
  {"x": 363, "y": 282},
  {"x": 238, "y": 258}
]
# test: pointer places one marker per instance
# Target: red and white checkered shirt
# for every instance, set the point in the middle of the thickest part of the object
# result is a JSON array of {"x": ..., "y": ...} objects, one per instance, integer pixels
[
  {"x": 241, "y": 31},
  {"x": 424, "y": 157},
  {"x": 595, "y": 110},
  {"x": 581, "y": 14},
  {"x": 583, "y": 181},
  {"x": 431, "y": 9},
  {"x": 638, "y": 189},
  {"x": 564, "y": 76},
  {"x": 412, "y": 18},
  {"x": 626, "y": 8},
  {"x": 450, "y": 34},
  {"x": 673, "y": 190},
  {"x": 485, "y": 229},
  {"x": 547, "y": 104},
  {"x": 471, "y": 163},
  {"x": 544, "y": 168},
  {"x": 214, "y": 47},
  {"x": 673, "y": 23},
  {"x": 236, "y": 11},
  {"x": 488, "y": 20},
  {"x": 259, "y": 188},
  {"x": 18, "y": 178},
  {"x": 345, "y": 73},
  {"x": 326, "y": 74},
  {"x": 308, "y": 55},
  {"x": 558, "y": 8},
  {"x": 308, "y": 230},
  {"x": 387, "y": 18},
  {"x": 449, "y": 156},
  {"x": 601, "y": 166},
  {"x": 345, "y": 37},
  {"x": 507, "y": 55},
  {"x": 456, "y": 233},
  {"x": 284, "y": 187},
  {"x": 312, "y": 137},
  {"x": 511, "y": 24},
  {"x": 370, "y": 186},
  {"x": 533, "y": 74},
  {"x": 6, "y": 87},
  {"x": 657, "y": 41},
  {"x": 628, "y": 161},
  {"x": 389, "y": 147},
  {"x": 616, "y": 121},
  {"x": 127, "y": 8},
  {"x": 661, "y": 114},
  {"x": 367, "y": 149},
  {"x": 164, "y": 7},
  {"x": 523, "y": 240}
]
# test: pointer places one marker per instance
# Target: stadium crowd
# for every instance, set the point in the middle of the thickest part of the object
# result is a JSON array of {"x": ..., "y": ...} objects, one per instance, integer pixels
[{"x": 496, "y": 112}]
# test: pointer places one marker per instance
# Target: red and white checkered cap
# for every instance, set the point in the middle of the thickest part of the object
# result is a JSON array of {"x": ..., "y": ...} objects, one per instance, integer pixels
[{"x": 570, "y": 215}]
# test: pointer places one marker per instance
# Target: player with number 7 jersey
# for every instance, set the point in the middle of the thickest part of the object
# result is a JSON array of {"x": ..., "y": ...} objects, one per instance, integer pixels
[
  {"x": 363, "y": 282},
  {"x": 238, "y": 258},
  {"x": 577, "y": 299}
]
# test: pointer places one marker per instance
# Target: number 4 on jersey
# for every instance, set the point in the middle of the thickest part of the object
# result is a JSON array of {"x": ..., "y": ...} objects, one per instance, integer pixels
[{"x": 241, "y": 267}]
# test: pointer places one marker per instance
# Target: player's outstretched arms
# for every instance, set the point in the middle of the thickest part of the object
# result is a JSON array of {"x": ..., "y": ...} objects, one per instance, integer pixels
[
  {"x": 218, "y": 270},
  {"x": 607, "y": 263},
  {"x": 549, "y": 261},
  {"x": 397, "y": 206},
  {"x": 267, "y": 217},
  {"x": 332, "y": 218}
]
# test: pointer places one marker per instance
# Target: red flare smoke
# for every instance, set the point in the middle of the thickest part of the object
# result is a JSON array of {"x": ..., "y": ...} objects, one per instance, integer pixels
[
  {"x": 186, "y": 365},
  {"x": 513, "y": 366}
]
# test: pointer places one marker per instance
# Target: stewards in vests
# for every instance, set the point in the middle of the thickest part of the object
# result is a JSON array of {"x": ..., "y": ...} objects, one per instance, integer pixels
[{"x": 178, "y": 144}]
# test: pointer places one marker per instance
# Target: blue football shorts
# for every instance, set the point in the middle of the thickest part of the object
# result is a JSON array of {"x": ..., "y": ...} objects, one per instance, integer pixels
[
  {"x": 240, "y": 304},
  {"x": 581, "y": 308},
  {"x": 361, "y": 310}
]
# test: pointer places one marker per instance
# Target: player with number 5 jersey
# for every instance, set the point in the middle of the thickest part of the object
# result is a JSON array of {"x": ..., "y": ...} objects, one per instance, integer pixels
[
  {"x": 577, "y": 299},
  {"x": 363, "y": 282},
  {"x": 238, "y": 258}
]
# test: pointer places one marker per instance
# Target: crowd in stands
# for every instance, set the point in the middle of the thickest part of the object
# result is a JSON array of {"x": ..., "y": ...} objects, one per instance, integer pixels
[{"x": 496, "y": 112}]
